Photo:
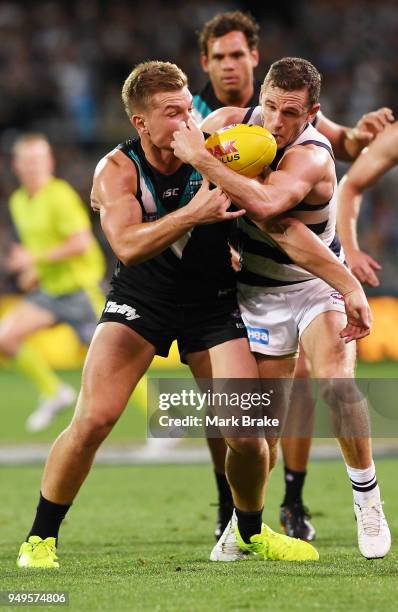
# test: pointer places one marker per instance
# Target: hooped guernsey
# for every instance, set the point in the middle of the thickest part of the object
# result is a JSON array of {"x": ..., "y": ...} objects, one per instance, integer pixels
[{"x": 264, "y": 263}]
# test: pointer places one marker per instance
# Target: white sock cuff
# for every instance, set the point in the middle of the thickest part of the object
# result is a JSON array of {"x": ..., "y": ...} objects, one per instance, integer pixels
[{"x": 361, "y": 475}]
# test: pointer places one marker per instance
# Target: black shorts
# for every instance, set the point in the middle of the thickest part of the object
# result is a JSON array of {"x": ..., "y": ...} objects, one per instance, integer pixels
[{"x": 196, "y": 327}]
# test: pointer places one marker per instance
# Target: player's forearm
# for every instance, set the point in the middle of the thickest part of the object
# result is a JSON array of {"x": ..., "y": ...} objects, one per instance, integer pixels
[
  {"x": 74, "y": 246},
  {"x": 142, "y": 241},
  {"x": 310, "y": 253},
  {"x": 244, "y": 192},
  {"x": 349, "y": 204}
]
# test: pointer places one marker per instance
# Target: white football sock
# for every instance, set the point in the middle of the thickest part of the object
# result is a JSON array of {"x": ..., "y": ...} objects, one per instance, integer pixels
[{"x": 364, "y": 485}]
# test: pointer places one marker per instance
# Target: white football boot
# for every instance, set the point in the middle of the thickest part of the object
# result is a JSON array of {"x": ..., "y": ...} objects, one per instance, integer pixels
[
  {"x": 49, "y": 407},
  {"x": 227, "y": 548},
  {"x": 374, "y": 538}
]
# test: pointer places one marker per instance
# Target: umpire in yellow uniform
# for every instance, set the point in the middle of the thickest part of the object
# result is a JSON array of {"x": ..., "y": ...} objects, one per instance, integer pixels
[{"x": 58, "y": 256}]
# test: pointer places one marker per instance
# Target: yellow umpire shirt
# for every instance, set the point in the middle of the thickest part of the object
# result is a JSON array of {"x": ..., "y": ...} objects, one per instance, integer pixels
[{"x": 45, "y": 221}]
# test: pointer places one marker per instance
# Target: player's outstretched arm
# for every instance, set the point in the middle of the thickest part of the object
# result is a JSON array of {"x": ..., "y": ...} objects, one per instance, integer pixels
[
  {"x": 115, "y": 183},
  {"x": 309, "y": 252},
  {"x": 374, "y": 161},
  {"x": 348, "y": 142}
]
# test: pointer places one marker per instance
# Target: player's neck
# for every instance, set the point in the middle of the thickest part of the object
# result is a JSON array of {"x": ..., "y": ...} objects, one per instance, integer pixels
[
  {"x": 34, "y": 185},
  {"x": 163, "y": 160},
  {"x": 238, "y": 98}
]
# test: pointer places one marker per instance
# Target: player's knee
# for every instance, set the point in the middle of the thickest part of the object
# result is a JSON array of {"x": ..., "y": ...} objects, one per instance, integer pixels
[
  {"x": 91, "y": 427},
  {"x": 339, "y": 391},
  {"x": 9, "y": 342},
  {"x": 250, "y": 448}
]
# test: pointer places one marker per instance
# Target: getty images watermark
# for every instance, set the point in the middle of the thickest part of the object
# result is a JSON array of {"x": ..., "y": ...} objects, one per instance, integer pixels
[
  {"x": 218, "y": 401},
  {"x": 183, "y": 408}
]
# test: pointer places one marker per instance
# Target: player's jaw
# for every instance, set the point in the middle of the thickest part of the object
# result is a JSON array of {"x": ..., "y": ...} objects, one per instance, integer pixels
[{"x": 286, "y": 113}]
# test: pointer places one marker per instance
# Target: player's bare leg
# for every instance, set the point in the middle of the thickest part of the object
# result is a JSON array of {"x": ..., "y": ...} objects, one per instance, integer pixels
[
  {"x": 116, "y": 360},
  {"x": 201, "y": 367},
  {"x": 334, "y": 362},
  {"x": 296, "y": 446},
  {"x": 246, "y": 458},
  {"x": 24, "y": 320},
  {"x": 247, "y": 467},
  {"x": 277, "y": 368}
]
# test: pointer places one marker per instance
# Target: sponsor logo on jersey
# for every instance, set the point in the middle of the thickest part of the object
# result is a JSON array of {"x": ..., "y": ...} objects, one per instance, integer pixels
[
  {"x": 194, "y": 185},
  {"x": 336, "y": 297},
  {"x": 123, "y": 309},
  {"x": 173, "y": 191},
  {"x": 258, "y": 335}
]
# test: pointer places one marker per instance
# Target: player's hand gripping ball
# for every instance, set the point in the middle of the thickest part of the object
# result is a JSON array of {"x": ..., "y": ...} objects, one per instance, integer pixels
[{"x": 246, "y": 149}]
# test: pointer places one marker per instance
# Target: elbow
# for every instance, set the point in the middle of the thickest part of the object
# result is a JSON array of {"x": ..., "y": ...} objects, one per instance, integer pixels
[
  {"x": 125, "y": 252},
  {"x": 127, "y": 256},
  {"x": 260, "y": 213}
]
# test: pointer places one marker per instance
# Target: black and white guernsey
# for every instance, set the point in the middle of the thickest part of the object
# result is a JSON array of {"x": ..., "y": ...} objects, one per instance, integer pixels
[
  {"x": 198, "y": 265},
  {"x": 264, "y": 264}
]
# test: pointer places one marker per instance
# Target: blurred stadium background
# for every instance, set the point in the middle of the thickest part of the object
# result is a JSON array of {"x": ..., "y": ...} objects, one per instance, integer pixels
[
  {"x": 61, "y": 69},
  {"x": 62, "y": 65}
]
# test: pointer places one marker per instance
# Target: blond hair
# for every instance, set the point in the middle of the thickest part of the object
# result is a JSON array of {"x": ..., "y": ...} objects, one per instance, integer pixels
[{"x": 147, "y": 79}]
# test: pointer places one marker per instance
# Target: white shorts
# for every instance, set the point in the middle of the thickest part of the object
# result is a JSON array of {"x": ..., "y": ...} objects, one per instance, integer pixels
[{"x": 275, "y": 321}]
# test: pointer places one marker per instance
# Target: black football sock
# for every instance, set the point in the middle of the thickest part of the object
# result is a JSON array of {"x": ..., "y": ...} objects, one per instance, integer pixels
[
  {"x": 49, "y": 517},
  {"x": 224, "y": 490},
  {"x": 249, "y": 523},
  {"x": 294, "y": 482}
]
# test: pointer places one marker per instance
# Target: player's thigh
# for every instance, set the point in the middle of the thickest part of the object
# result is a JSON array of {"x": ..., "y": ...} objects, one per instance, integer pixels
[
  {"x": 303, "y": 366},
  {"x": 117, "y": 358},
  {"x": 231, "y": 359},
  {"x": 276, "y": 367},
  {"x": 25, "y": 319},
  {"x": 276, "y": 374},
  {"x": 329, "y": 355}
]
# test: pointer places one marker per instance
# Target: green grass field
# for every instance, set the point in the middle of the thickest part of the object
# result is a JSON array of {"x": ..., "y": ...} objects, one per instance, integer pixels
[
  {"x": 138, "y": 538},
  {"x": 18, "y": 398}
]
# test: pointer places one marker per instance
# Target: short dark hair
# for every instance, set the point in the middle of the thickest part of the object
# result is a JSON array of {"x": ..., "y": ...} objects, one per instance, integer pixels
[
  {"x": 290, "y": 73},
  {"x": 147, "y": 79},
  {"x": 223, "y": 23}
]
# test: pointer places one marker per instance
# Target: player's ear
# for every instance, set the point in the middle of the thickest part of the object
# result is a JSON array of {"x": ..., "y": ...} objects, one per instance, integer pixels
[
  {"x": 255, "y": 57},
  {"x": 138, "y": 121},
  {"x": 204, "y": 62},
  {"x": 313, "y": 112}
]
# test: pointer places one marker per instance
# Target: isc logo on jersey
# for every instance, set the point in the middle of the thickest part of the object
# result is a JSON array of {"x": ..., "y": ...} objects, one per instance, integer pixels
[
  {"x": 258, "y": 335},
  {"x": 171, "y": 192}
]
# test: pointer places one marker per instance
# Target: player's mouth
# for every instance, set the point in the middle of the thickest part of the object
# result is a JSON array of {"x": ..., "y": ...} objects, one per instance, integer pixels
[{"x": 230, "y": 79}]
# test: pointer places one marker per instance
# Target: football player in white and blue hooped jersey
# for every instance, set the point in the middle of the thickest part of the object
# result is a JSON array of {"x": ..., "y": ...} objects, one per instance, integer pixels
[
  {"x": 274, "y": 296},
  {"x": 229, "y": 54}
]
